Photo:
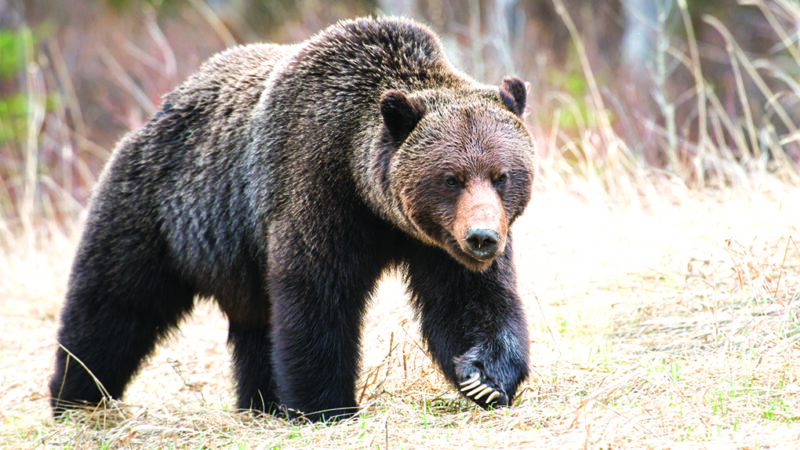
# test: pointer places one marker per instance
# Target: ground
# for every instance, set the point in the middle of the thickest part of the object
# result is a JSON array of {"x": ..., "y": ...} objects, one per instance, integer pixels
[{"x": 660, "y": 318}]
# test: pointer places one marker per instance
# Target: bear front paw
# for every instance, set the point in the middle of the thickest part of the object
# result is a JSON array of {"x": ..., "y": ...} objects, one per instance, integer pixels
[{"x": 483, "y": 391}]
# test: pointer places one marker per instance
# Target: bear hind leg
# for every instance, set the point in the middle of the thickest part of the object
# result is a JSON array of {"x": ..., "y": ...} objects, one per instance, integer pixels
[
  {"x": 108, "y": 327},
  {"x": 255, "y": 385}
]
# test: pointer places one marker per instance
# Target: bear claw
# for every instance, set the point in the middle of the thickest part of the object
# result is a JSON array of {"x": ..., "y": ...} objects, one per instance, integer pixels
[
  {"x": 472, "y": 378},
  {"x": 471, "y": 386},
  {"x": 471, "y": 383},
  {"x": 483, "y": 392},
  {"x": 475, "y": 388},
  {"x": 492, "y": 396}
]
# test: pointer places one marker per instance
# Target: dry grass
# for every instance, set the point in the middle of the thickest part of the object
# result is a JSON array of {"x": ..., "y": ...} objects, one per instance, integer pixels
[{"x": 674, "y": 321}]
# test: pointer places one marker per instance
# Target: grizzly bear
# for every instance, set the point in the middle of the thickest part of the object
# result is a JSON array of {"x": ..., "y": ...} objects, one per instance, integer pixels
[{"x": 282, "y": 181}]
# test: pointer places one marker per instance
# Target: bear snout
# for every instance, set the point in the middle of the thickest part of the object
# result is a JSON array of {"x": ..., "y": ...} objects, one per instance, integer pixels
[
  {"x": 480, "y": 225},
  {"x": 482, "y": 243}
]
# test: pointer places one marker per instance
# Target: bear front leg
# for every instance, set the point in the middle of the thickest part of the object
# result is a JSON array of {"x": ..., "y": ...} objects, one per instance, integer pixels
[
  {"x": 473, "y": 323},
  {"x": 316, "y": 347},
  {"x": 318, "y": 299}
]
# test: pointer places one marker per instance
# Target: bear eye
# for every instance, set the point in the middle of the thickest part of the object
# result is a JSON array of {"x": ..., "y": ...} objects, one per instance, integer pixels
[
  {"x": 501, "y": 179},
  {"x": 451, "y": 181}
]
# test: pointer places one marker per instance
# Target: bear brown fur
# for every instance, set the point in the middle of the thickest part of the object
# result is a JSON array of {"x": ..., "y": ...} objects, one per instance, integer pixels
[{"x": 282, "y": 181}]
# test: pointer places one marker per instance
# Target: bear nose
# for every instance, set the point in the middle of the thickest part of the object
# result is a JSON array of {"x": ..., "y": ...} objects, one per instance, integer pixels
[{"x": 482, "y": 242}]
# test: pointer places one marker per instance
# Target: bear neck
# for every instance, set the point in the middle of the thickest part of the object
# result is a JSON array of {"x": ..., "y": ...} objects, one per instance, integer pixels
[{"x": 371, "y": 167}]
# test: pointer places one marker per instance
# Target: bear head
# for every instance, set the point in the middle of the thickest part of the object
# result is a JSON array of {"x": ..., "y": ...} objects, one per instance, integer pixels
[{"x": 461, "y": 166}]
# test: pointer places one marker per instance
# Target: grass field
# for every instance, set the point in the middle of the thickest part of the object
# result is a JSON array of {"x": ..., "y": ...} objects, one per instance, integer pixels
[{"x": 672, "y": 320}]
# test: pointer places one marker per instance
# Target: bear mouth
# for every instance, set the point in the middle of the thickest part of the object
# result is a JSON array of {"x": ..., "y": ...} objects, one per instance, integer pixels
[
  {"x": 473, "y": 262},
  {"x": 439, "y": 236}
]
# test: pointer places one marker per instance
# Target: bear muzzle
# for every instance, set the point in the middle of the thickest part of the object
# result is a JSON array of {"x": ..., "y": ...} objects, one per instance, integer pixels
[{"x": 480, "y": 225}]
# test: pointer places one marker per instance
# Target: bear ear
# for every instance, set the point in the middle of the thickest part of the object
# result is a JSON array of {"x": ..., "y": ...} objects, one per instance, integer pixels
[
  {"x": 400, "y": 113},
  {"x": 514, "y": 93}
]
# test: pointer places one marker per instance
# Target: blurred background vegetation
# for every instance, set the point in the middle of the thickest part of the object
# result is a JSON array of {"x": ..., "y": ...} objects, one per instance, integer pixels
[{"x": 702, "y": 91}]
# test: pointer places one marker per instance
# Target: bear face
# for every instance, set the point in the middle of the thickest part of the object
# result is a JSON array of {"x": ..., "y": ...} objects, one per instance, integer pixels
[{"x": 462, "y": 169}]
